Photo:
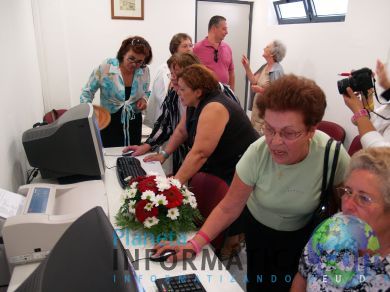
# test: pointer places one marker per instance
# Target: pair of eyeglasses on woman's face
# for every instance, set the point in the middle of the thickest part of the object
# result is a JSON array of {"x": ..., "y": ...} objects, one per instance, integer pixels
[
  {"x": 284, "y": 134},
  {"x": 173, "y": 74},
  {"x": 361, "y": 199},
  {"x": 133, "y": 60}
]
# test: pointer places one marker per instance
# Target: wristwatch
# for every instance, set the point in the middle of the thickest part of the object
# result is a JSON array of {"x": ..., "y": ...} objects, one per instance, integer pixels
[
  {"x": 361, "y": 113},
  {"x": 164, "y": 154}
]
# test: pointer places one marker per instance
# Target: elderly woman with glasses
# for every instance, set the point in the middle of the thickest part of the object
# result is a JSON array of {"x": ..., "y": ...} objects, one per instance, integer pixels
[
  {"x": 366, "y": 195},
  {"x": 276, "y": 186},
  {"x": 124, "y": 91},
  {"x": 273, "y": 54}
]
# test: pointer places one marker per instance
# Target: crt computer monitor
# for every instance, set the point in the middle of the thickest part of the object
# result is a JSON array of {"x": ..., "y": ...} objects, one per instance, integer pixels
[
  {"x": 69, "y": 148},
  {"x": 87, "y": 257}
]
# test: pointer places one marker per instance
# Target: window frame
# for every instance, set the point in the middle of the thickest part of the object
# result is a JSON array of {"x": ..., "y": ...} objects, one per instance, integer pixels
[{"x": 311, "y": 14}]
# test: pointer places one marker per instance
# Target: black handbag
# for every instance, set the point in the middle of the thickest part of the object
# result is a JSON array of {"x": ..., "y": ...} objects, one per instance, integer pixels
[{"x": 329, "y": 204}]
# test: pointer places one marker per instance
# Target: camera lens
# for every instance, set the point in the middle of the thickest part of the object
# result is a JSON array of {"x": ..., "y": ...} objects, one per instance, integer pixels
[{"x": 342, "y": 85}]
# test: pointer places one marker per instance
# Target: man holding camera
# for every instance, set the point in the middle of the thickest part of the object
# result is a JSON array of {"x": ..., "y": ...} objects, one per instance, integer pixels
[{"x": 373, "y": 126}]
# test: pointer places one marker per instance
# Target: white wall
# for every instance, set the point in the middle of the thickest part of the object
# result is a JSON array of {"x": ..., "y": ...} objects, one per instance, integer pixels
[
  {"x": 81, "y": 34},
  {"x": 20, "y": 94}
]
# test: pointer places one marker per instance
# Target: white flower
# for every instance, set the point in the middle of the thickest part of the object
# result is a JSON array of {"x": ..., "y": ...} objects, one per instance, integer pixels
[
  {"x": 148, "y": 195},
  {"x": 150, "y": 221},
  {"x": 134, "y": 185},
  {"x": 193, "y": 202},
  {"x": 175, "y": 182},
  {"x": 173, "y": 213},
  {"x": 160, "y": 200},
  {"x": 188, "y": 197},
  {"x": 148, "y": 206},
  {"x": 162, "y": 183},
  {"x": 189, "y": 193},
  {"x": 131, "y": 206},
  {"x": 130, "y": 192}
]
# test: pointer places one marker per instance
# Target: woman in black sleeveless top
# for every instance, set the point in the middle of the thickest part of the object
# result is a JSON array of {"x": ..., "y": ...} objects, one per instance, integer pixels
[{"x": 216, "y": 128}]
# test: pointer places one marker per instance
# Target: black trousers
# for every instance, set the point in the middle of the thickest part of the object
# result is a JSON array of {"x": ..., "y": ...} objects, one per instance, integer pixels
[
  {"x": 272, "y": 255},
  {"x": 112, "y": 136}
]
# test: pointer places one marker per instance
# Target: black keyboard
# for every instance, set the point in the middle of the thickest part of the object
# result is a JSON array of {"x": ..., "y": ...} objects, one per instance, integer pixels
[
  {"x": 188, "y": 282},
  {"x": 128, "y": 167}
]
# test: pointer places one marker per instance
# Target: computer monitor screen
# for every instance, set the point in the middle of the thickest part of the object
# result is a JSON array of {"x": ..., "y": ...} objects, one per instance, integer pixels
[
  {"x": 83, "y": 260},
  {"x": 70, "y": 147}
]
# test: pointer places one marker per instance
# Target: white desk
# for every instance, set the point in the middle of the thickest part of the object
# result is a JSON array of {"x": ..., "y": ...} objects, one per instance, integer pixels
[
  {"x": 213, "y": 276},
  {"x": 213, "y": 279}
]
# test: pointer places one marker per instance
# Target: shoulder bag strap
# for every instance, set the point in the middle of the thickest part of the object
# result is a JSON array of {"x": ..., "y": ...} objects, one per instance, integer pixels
[
  {"x": 325, "y": 171},
  {"x": 334, "y": 164}
]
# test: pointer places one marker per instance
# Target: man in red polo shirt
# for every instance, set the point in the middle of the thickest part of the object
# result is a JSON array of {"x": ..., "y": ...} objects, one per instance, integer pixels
[{"x": 216, "y": 54}]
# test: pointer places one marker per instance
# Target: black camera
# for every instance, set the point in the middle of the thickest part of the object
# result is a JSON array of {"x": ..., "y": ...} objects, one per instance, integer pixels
[{"x": 360, "y": 80}]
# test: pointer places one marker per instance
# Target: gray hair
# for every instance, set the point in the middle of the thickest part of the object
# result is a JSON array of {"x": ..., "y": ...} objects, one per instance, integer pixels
[
  {"x": 278, "y": 50},
  {"x": 377, "y": 161}
]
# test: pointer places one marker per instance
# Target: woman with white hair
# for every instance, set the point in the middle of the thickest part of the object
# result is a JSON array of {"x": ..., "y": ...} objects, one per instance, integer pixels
[{"x": 273, "y": 53}]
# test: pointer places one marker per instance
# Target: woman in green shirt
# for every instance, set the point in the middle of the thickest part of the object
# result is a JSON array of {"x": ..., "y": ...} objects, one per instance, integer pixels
[{"x": 277, "y": 185}]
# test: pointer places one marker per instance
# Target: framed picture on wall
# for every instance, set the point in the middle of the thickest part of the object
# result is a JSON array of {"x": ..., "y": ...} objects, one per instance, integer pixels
[{"x": 127, "y": 9}]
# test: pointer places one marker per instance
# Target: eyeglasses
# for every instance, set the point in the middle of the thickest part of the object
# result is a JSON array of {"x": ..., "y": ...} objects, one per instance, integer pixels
[
  {"x": 215, "y": 56},
  {"x": 362, "y": 199},
  {"x": 133, "y": 60},
  {"x": 285, "y": 134},
  {"x": 173, "y": 75}
]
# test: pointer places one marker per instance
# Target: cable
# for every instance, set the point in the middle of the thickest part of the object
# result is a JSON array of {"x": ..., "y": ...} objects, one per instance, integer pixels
[
  {"x": 110, "y": 167},
  {"x": 31, "y": 174}
]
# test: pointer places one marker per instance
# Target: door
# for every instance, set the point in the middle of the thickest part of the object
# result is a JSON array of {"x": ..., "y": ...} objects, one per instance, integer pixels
[{"x": 238, "y": 16}]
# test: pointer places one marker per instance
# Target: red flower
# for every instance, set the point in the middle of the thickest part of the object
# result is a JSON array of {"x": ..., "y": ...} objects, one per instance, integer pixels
[
  {"x": 147, "y": 184},
  {"x": 141, "y": 213},
  {"x": 174, "y": 197}
]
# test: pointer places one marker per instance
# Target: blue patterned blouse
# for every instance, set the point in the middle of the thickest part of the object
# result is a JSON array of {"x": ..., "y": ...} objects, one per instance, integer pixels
[{"x": 108, "y": 78}]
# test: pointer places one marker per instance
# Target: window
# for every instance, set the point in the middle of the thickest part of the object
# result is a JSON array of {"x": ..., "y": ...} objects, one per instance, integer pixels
[{"x": 303, "y": 11}]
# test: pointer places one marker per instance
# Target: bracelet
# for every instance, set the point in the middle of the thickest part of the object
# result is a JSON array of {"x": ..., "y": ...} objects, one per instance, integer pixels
[
  {"x": 204, "y": 235},
  {"x": 195, "y": 245},
  {"x": 164, "y": 154},
  {"x": 361, "y": 113}
]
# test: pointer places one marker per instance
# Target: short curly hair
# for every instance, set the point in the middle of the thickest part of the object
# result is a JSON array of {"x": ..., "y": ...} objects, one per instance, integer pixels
[
  {"x": 377, "y": 161},
  {"x": 293, "y": 93},
  {"x": 278, "y": 50},
  {"x": 197, "y": 76},
  {"x": 138, "y": 45},
  {"x": 183, "y": 60},
  {"x": 176, "y": 41}
]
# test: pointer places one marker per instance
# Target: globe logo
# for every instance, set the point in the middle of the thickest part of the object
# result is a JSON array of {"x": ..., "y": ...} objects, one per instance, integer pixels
[{"x": 337, "y": 248}]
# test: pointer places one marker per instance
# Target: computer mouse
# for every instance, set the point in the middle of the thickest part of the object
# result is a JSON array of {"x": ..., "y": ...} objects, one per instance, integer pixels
[
  {"x": 128, "y": 153},
  {"x": 163, "y": 256}
]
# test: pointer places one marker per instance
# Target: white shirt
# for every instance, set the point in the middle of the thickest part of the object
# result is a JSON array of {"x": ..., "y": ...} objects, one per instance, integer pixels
[{"x": 380, "y": 137}]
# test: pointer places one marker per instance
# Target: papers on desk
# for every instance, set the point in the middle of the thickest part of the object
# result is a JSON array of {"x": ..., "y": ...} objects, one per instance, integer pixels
[{"x": 10, "y": 203}]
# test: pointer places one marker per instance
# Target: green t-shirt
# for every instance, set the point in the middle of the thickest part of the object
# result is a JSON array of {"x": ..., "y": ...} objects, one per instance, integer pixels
[{"x": 284, "y": 196}]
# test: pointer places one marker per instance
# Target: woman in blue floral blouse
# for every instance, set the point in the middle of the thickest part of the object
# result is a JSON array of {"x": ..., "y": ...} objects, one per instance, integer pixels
[{"x": 124, "y": 91}]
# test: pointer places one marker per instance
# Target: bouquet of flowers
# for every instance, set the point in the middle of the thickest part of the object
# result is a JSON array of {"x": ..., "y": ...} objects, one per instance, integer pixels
[{"x": 158, "y": 205}]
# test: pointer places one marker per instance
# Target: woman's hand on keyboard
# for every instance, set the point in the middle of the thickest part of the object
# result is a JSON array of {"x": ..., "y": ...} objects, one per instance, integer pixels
[{"x": 138, "y": 149}]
